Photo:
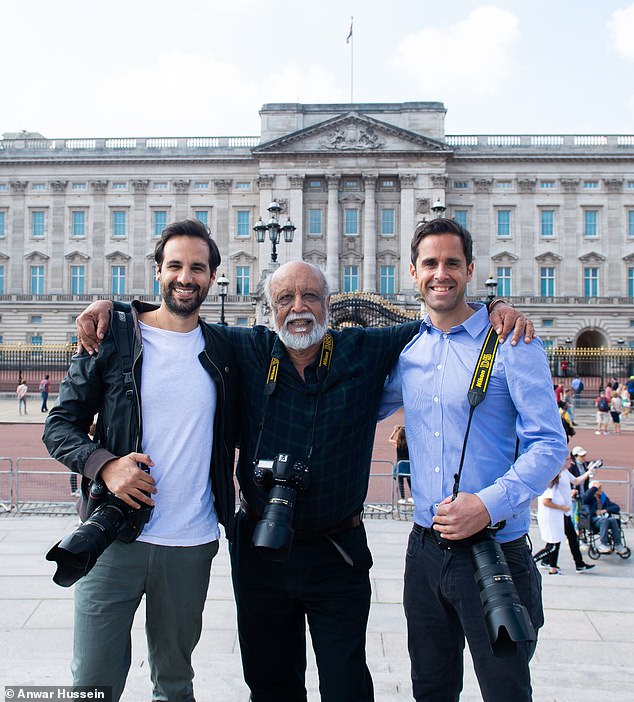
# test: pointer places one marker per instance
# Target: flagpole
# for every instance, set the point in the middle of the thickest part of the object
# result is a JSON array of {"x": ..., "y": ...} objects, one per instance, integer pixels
[{"x": 351, "y": 40}]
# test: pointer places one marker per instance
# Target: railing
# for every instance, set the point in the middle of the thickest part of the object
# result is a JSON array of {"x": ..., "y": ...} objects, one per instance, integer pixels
[
  {"x": 41, "y": 491},
  {"x": 139, "y": 144},
  {"x": 459, "y": 142},
  {"x": 539, "y": 142},
  {"x": 30, "y": 487},
  {"x": 31, "y": 363},
  {"x": 6, "y": 485}
]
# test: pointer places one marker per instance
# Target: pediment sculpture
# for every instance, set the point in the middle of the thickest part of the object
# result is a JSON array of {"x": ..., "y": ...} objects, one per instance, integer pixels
[{"x": 351, "y": 137}]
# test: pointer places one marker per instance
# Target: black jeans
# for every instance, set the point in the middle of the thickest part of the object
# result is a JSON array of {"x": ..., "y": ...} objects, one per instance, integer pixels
[
  {"x": 442, "y": 606},
  {"x": 573, "y": 540},
  {"x": 274, "y": 600}
]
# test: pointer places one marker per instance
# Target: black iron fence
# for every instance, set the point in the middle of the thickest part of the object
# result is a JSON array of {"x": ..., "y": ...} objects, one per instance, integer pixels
[
  {"x": 31, "y": 363},
  {"x": 595, "y": 366}
]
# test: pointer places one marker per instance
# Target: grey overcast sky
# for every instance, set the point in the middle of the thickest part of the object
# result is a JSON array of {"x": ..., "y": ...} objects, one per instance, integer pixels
[{"x": 79, "y": 68}]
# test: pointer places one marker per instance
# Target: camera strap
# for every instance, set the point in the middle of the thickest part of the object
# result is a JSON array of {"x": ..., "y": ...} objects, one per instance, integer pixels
[
  {"x": 325, "y": 359},
  {"x": 477, "y": 391},
  {"x": 122, "y": 329}
]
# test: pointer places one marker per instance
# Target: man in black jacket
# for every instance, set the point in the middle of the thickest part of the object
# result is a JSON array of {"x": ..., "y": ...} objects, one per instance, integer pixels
[
  {"x": 604, "y": 514},
  {"x": 164, "y": 440}
]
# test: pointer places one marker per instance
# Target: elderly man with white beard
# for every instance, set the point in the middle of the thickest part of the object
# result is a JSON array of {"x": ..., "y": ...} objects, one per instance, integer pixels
[{"x": 309, "y": 398}]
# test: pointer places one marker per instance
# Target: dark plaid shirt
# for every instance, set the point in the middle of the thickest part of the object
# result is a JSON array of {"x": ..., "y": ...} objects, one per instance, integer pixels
[{"x": 340, "y": 403}]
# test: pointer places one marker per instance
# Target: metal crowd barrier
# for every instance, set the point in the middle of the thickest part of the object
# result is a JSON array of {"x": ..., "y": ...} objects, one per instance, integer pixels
[
  {"x": 378, "y": 501},
  {"x": 38, "y": 491},
  {"x": 6, "y": 485},
  {"x": 30, "y": 487},
  {"x": 617, "y": 485}
]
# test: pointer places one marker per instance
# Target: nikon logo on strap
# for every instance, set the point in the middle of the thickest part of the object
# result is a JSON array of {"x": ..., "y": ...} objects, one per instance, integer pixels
[{"x": 484, "y": 366}]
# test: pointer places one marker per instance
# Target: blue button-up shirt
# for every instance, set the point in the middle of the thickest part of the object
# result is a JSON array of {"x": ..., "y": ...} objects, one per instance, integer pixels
[{"x": 431, "y": 381}]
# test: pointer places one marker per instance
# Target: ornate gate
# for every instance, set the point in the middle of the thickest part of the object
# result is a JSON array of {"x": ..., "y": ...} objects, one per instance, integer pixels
[{"x": 366, "y": 310}]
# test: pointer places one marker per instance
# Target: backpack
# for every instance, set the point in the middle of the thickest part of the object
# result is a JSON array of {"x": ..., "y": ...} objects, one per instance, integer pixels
[{"x": 603, "y": 405}]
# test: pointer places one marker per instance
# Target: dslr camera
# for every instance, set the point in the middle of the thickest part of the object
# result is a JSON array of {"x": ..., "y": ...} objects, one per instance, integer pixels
[
  {"x": 109, "y": 518},
  {"x": 284, "y": 478},
  {"x": 506, "y": 617}
]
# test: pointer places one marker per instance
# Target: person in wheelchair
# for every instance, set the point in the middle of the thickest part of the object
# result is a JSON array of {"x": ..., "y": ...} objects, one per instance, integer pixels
[{"x": 604, "y": 515}]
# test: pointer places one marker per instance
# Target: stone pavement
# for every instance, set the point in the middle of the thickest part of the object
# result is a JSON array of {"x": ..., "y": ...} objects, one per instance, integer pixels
[{"x": 585, "y": 651}]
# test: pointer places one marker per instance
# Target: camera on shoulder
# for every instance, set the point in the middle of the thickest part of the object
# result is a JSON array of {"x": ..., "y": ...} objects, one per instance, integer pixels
[{"x": 284, "y": 478}]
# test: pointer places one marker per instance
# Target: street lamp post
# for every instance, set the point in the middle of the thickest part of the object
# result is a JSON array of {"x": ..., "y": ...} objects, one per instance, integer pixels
[
  {"x": 491, "y": 284},
  {"x": 274, "y": 228},
  {"x": 223, "y": 283},
  {"x": 438, "y": 208}
]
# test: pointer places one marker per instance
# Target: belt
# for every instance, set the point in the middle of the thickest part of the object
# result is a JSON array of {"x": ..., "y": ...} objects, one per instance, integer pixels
[
  {"x": 427, "y": 532},
  {"x": 346, "y": 524}
]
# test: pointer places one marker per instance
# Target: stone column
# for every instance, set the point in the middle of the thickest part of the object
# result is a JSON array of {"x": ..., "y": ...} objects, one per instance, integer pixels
[
  {"x": 611, "y": 223},
  {"x": 57, "y": 233},
  {"x": 97, "y": 282},
  {"x": 17, "y": 241},
  {"x": 263, "y": 251},
  {"x": 138, "y": 235},
  {"x": 180, "y": 206},
  {"x": 296, "y": 213},
  {"x": 406, "y": 231},
  {"x": 526, "y": 243},
  {"x": 569, "y": 275},
  {"x": 369, "y": 233},
  {"x": 223, "y": 226},
  {"x": 333, "y": 234}
]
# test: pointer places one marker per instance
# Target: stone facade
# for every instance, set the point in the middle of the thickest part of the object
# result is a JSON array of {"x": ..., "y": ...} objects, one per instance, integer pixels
[{"x": 552, "y": 216}]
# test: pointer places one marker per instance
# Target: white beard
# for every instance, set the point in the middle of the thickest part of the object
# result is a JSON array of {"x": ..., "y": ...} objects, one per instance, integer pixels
[{"x": 300, "y": 342}]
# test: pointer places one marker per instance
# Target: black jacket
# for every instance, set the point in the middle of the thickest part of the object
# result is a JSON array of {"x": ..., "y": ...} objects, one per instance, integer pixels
[
  {"x": 94, "y": 385},
  {"x": 591, "y": 505}
]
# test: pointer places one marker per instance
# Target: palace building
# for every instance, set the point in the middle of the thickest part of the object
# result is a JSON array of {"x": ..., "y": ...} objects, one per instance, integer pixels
[{"x": 552, "y": 216}]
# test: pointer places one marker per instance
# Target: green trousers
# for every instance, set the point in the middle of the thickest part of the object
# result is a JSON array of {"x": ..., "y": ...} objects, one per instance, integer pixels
[{"x": 174, "y": 581}]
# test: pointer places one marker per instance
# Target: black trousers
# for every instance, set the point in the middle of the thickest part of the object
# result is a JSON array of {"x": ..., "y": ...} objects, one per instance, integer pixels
[
  {"x": 573, "y": 540},
  {"x": 274, "y": 601},
  {"x": 442, "y": 607}
]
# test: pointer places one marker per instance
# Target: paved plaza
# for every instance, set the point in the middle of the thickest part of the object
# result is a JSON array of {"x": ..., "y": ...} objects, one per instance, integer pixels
[{"x": 585, "y": 651}]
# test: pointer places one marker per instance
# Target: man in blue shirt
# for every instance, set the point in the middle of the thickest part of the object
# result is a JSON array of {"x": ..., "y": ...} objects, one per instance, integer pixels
[{"x": 441, "y": 597}]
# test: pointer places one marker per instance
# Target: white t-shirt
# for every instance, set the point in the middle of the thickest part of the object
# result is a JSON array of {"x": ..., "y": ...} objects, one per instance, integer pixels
[
  {"x": 178, "y": 403},
  {"x": 549, "y": 519}
]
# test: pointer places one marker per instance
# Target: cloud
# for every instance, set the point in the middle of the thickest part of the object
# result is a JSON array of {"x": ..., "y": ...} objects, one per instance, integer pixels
[
  {"x": 621, "y": 24},
  {"x": 186, "y": 94},
  {"x": 473, "y": 56},
  {"x": 181, "y": 94}
]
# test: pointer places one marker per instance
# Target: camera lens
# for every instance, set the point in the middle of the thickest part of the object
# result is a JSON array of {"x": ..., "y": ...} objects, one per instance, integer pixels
[
  {"x": 506, "y": 617},
  {"x": 78, "y": 552},
  {"x": 274, "y": 532}
]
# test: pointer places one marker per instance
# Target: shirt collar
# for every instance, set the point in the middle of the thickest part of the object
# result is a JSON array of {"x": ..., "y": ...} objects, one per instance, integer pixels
[{"x": 474, "y": 325}]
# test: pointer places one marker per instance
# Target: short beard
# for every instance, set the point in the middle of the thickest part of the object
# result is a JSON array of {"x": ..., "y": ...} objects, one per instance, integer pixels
[
  {"x": 301, "y": 342},
  {"x": 184, "y": 309}
]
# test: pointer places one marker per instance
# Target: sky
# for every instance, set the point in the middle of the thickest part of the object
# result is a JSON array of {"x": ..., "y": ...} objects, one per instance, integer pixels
[{"x": 114, "y": 68}]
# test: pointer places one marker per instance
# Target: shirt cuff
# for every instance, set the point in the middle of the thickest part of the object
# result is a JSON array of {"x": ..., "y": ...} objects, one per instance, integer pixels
[{"x": 494, "y": 499}]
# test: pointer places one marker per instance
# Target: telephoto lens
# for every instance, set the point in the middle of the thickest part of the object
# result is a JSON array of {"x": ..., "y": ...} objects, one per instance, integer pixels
[
  {"x": 77, "y": 553},
  {"x": 506, "y": 617},
  {"x": 109, "y": 518},
  {"x": 273, "y": 534}
]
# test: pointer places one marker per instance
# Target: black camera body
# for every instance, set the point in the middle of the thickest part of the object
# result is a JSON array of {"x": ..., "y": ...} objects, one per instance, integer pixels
[
  {"x": 284, "y": 478},
  {"x": 506, "y": 618},
  {"x": 109, "y": 518}
]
